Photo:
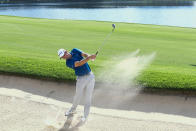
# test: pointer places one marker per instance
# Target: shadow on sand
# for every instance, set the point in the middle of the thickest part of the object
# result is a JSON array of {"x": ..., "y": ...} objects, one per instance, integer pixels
[{"x": 68, "y": 124}]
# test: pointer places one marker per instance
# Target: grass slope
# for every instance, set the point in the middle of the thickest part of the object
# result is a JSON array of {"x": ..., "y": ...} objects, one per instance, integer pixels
[{"x": 29, "y": 47}]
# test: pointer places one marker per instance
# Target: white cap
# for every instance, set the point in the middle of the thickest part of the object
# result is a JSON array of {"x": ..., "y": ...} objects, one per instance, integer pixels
[{"x": 61, "y": 52}]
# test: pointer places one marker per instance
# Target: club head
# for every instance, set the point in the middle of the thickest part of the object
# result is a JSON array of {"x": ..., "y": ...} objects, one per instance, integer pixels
[
  {"x": 96, "y": 53},
  {"x": 113, "y": 25}
]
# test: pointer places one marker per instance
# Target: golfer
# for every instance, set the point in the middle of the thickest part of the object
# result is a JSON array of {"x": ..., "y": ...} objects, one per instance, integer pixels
[{"x": 77, "y": 60}]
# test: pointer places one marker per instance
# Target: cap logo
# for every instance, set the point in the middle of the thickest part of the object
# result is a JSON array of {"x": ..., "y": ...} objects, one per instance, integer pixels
[{"x": 60, "y": 53}]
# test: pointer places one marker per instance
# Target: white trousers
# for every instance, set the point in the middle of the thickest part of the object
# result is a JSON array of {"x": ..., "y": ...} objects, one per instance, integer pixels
[{"x": 86, "y": 83}]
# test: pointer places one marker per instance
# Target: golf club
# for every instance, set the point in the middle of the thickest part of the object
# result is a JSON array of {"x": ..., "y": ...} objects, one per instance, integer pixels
[{"x": 113, "y": 27}]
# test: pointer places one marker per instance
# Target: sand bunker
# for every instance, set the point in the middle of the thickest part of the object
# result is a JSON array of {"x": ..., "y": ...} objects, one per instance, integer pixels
[{"x": 35, "y": 105}]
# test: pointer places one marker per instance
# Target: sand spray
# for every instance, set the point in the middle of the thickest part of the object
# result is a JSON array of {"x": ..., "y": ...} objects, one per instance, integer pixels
[
  {"x": 117, "y": 78},
  {"x": 122, "y": 70}
]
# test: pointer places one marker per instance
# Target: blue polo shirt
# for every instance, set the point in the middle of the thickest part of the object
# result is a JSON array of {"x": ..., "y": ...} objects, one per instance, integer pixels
[{"x": 77, "y": 56}]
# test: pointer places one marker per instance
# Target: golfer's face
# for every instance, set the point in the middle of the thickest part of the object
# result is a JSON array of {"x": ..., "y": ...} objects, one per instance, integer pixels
[{"x": 66, "y": 55}]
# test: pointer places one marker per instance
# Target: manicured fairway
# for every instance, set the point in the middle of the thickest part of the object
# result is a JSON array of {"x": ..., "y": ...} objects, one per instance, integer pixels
[{"x": 29, "y": 47}]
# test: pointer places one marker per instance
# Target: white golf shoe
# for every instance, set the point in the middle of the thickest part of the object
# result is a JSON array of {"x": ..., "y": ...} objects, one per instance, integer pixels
[
  {"x": 70, "y": 112},
  {"x": 83, "y": 119}
]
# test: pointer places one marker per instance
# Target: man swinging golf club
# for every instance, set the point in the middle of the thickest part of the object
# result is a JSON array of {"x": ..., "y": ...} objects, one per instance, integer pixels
[{"x": 77, "y": 60}]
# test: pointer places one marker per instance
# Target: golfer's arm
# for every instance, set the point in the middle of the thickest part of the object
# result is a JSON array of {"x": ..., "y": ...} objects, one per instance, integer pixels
[
  {"x": 85, "y": 54},
  {"x": 82, "y": 62}
]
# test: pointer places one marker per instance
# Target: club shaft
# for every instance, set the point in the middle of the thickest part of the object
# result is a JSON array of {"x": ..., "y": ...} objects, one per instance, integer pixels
[{"x": 104, "y": 41}]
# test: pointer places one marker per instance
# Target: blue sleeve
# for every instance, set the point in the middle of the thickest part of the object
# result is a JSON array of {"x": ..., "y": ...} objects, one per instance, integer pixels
[
  {"x": 70, "y": 63},
  {"x": 77, "y": 51}
]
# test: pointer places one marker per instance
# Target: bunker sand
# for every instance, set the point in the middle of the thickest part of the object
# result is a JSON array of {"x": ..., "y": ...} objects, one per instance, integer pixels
[{"x": 35, "y": 105}]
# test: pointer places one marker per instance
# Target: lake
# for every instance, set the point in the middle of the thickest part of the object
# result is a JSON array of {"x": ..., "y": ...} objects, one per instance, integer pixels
[{"x": 172, "y": 15}]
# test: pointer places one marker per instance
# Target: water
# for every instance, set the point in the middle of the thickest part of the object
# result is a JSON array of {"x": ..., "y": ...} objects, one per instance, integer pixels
[{"x": 183, "y": 16}]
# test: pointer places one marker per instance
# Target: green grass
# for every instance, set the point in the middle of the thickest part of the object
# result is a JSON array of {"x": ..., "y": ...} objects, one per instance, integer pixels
[{"x": 29, "y": 47}]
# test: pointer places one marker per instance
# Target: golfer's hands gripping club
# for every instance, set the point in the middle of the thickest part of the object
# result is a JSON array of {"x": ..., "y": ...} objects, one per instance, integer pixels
[{"x": 93, "y": 57}]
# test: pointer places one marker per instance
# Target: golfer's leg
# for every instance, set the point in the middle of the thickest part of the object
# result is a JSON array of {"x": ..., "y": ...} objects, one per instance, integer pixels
[
  {"x": 89, "y": 92},
  {"x": 80, "y": 84}
]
